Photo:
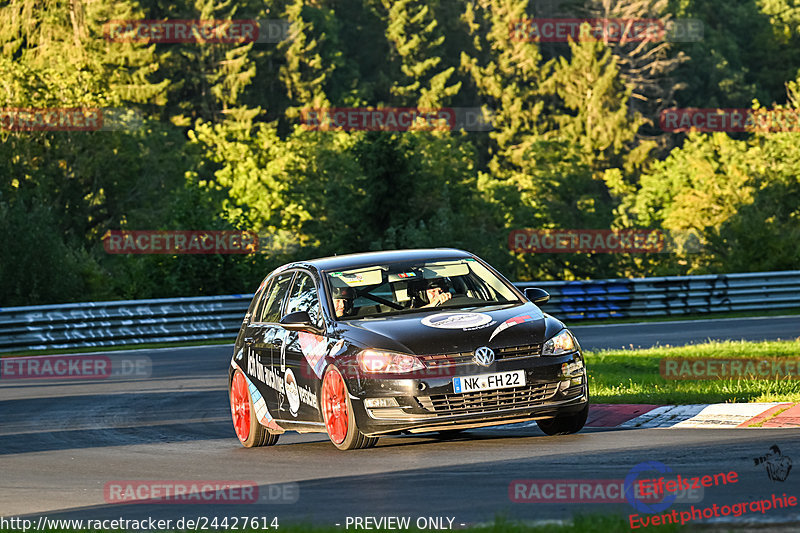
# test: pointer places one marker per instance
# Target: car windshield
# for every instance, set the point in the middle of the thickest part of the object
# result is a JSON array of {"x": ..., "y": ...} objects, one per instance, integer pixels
[{"x": 395, "y": 288}]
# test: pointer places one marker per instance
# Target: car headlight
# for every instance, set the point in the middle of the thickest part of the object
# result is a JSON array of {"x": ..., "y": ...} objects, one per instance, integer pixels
[
  {"x": 560, "y": 344},
  {"x": 376, "y": 361}
]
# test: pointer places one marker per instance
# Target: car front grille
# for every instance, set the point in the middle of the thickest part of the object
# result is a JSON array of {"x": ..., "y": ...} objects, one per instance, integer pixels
[
  {"x": 464, "y": 358},
  {"x": 488, "y": 401}
]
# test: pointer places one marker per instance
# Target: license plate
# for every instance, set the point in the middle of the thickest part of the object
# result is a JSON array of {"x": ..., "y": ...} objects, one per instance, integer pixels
[{"x": 497, "y": 380}]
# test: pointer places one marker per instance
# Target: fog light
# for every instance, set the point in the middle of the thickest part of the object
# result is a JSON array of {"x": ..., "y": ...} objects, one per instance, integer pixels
[
  {"x": 372, "y": 403},
  {"x": 568, "y": 369}
]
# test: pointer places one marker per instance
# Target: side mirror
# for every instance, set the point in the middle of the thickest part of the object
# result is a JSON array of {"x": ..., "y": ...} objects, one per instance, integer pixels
[
  {"x": 537, "y": 295},
  {"x": 298, "y": 321}
]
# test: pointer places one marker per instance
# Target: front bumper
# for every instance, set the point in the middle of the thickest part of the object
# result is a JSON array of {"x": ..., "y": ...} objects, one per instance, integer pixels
[{"x": 553, "y": 386}]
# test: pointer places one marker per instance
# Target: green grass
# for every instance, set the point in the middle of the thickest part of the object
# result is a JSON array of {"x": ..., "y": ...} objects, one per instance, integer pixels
[{"x": 632, "y": 376}]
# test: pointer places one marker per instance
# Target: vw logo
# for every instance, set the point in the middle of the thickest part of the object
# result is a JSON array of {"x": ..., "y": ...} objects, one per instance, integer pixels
[{"x": 484, "y": 356}]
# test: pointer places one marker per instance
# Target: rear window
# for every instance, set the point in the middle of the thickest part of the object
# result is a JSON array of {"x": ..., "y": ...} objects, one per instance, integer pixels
[{"x": 277, "y": 293}]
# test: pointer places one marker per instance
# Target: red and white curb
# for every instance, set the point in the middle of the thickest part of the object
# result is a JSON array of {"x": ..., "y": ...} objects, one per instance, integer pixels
[{"x": 718, "y": 415}]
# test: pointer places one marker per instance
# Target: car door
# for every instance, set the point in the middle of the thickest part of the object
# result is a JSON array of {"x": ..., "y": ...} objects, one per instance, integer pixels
[
  {"x": 267, "y": 342},
  {"x": 304, "y": 354}
]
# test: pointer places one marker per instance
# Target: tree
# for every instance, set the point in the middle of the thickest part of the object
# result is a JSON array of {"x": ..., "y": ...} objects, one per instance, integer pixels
[
  {"x": 646, "y": 65},
  {"x": 738, "y": 197},
  {"x": 748, "y": 51},
  {"x": 74, "y": 184},
  {"x": 312, "y": 56},
  {"x": 207, "y": 79},
  {"x": 413, "y": 31}
]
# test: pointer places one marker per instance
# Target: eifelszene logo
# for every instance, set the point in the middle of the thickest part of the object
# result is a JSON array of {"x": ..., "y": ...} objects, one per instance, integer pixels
[{"x": 778, "y": 465}]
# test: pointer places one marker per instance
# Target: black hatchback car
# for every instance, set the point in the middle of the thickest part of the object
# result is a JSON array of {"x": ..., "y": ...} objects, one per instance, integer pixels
[{"x": 363, "y": 345}]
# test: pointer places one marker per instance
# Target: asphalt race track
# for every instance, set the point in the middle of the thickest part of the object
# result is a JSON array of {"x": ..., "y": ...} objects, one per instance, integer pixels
[{"x": 63, "y": 442}]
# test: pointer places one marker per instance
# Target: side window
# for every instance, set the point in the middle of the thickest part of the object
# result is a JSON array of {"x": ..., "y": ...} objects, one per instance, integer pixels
[
  {"x": 271, "y": 311},
  {"x": 304, "y": 298},
  {"x": 258, "y": 302}
]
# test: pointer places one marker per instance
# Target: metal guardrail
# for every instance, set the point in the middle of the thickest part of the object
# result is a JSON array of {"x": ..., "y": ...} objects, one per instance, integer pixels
[
  {"x": 117, "y": 323},
  {"x": 672, "y": 295},
  {"x": 219, "y": 317}
]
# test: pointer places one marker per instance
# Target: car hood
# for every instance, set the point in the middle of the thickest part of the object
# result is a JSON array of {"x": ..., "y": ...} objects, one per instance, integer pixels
[{"x": 454, "y": 330}]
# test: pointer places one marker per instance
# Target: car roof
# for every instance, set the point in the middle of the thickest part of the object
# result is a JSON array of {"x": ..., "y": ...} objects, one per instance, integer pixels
[{"x": 343, "y": 262}]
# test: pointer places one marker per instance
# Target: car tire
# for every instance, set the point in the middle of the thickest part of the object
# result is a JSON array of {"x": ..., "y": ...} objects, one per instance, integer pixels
[
  {"x": 245, "y": 423},
  {"x": 564, "y": 424},
  {"x": 337, "y": 412}
]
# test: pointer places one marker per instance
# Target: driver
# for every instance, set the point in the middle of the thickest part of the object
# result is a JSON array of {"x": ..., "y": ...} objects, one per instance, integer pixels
[
  {"x": 435, "y": 293},
  {"x": 343, "y": 300}
]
